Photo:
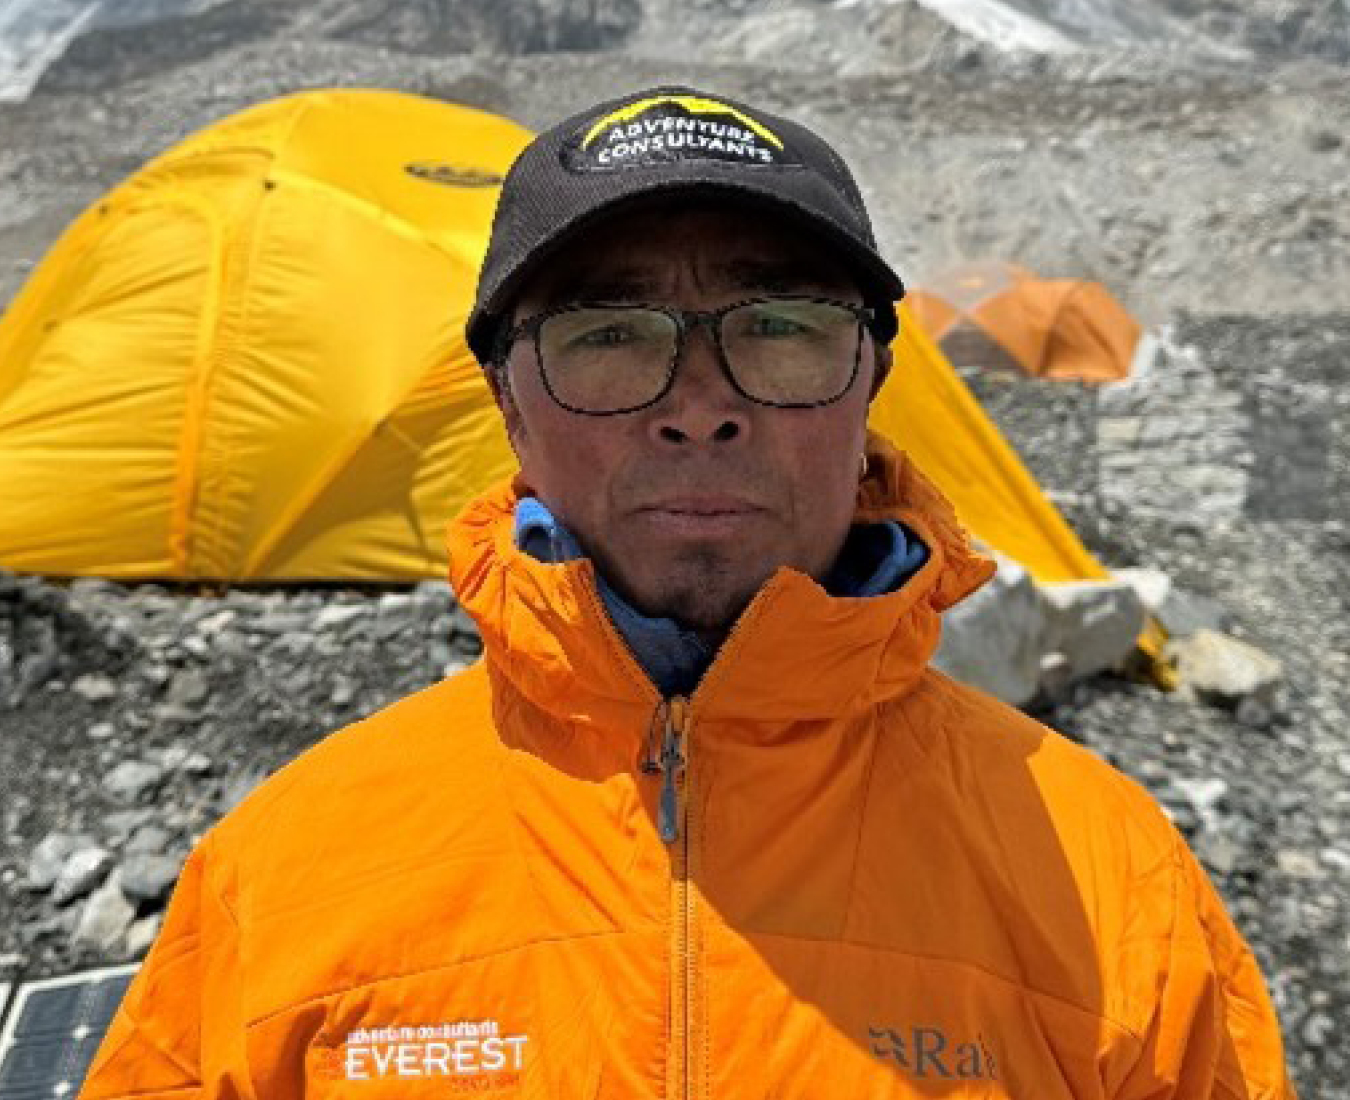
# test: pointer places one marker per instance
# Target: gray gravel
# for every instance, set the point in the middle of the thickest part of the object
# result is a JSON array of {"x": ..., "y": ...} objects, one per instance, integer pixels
[{"x": 1263, "y": 793}]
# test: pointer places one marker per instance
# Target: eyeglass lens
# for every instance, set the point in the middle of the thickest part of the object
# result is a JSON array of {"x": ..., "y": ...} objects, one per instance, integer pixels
[{"x": 784, "y": 352}]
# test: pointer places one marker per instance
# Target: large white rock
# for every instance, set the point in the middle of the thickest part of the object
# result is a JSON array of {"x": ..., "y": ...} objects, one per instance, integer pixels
[
  {"x": 1013, "y": 638},
  {"x": 1180, "y": 612},
  {"x": 1094, "y": 624},
  {"x": 1225, "y": 670},
  {"x": 997, "y": 638},
  {"x": 1151, "y": 585}
]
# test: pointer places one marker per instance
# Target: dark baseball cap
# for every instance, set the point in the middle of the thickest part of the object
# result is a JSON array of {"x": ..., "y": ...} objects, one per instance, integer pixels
[{"x": 671, "y": 140}]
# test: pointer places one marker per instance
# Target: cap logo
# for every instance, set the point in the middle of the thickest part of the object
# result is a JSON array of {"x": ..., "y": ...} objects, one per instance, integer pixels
[{"x": 670, "y": 128}]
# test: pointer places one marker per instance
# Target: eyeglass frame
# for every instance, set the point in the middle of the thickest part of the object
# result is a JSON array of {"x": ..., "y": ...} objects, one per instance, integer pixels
[{"x": 686, "y": 320}]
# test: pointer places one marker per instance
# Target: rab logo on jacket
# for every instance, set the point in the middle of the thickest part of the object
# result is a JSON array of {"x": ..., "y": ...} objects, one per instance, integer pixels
[
  {"x": 667, "y": 128},
  {"x": 476, "y": 1053},
  {"x": 928, "y": 1054}
]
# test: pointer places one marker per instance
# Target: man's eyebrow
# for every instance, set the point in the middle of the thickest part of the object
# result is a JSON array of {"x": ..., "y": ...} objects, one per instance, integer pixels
[
  {"x": 779, "y": 275},
  {"x": 751, "y": 275},
  {"x": 615, "y": 286}
]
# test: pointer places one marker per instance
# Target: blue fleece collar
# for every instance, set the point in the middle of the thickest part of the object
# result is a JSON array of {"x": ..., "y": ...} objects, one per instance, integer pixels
[{"x": 876, "y": 559}]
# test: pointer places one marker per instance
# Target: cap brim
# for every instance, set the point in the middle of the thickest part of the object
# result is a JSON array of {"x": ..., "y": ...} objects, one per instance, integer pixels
[{"x": 880, "y": 284}]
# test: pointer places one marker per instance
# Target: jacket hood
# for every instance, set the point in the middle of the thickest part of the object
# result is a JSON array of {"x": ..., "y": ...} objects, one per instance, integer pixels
[{"x": 795, "y": 654}]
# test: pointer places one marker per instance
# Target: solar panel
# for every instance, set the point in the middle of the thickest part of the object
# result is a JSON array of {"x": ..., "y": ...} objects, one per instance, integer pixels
[{"x": 53, "y": 1029}]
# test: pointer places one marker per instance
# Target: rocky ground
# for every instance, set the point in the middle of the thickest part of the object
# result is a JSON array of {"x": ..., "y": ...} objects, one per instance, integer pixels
[
  {"x": 1207, "y": 188},
  {"x": 1262, "y": 794}
]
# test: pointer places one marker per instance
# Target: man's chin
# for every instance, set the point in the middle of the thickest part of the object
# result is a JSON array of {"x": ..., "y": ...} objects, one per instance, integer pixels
[{"x": 707, "y": 601}]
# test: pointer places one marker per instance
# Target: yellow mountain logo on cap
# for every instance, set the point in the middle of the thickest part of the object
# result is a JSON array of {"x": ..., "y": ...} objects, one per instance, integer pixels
[{"x": 695, "y": 105}]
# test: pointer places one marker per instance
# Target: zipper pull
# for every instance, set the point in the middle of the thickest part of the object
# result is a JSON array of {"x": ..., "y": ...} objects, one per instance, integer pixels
[{"x": 671, "y": 764}]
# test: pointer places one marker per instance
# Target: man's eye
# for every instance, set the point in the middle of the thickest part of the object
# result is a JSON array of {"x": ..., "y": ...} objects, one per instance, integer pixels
[
  {"x": 607, "y": 337},
  {"x": 770, "y": 325}
]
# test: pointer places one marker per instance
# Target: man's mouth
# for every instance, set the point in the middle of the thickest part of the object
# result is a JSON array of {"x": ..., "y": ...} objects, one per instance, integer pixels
[
  {"x": 702, "y": 516},
  {"x": 703, "y": 506}
]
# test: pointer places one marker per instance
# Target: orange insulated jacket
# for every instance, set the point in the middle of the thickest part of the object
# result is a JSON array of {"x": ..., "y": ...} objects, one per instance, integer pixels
[{"x": 830, "y": 872}]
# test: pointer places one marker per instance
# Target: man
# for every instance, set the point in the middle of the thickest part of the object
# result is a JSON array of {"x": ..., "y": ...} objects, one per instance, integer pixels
[{"x": 702, "y": 822}]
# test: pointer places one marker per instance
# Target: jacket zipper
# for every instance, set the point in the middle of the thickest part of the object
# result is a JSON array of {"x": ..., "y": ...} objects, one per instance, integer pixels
[
  {"x": 668, "y": 761},
  {"x": 672, "y": 821}
]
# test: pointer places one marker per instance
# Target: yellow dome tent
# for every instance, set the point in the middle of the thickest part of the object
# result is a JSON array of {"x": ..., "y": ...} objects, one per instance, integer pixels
[
  {"x": 246, "y": 361},
  {"x": 1049, "y": 328}
]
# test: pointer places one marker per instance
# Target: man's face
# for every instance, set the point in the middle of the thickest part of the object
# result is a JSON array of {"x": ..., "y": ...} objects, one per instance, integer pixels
[{"x": 689, "y": 505}]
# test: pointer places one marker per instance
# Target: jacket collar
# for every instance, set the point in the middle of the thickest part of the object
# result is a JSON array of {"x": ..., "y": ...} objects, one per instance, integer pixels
[{"x": 796, "y": 653}]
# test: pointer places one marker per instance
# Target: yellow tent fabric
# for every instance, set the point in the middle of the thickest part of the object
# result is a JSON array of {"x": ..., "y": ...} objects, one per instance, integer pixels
[
  {"x": 246, "y": 362},
  {"x": 927, "y": 410},
  {"x": 1051, "y": 328}
]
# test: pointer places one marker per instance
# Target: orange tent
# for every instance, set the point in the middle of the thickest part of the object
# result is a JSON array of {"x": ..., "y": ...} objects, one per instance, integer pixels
[{"x": 1051, "y": 328}]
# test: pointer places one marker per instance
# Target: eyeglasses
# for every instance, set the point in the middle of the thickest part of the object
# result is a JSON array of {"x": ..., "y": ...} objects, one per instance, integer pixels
[{"x": 788, "y": 352}]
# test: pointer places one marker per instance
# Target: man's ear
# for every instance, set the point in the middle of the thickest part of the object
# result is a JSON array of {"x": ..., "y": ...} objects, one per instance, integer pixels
[
  {"x": 882, "y": 358},
  {"x": 499, "y": 382}
]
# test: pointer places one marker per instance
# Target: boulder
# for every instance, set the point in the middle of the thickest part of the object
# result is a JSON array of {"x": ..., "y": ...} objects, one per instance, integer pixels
[
  {"x": 149, "y": 839},
  {"x": 1180, "y": 612},
  {"x": 1151, "y": 585},
  {"x": 148, "y": 876},
  {"x": 1095, "y": 624},
  {"x": 50, "y": 856},
  {"x": 996, "y": 638},
  {"x": 141, "y": 935},
  {"x": 1221, "y": 669},
  {"x": 105, "y": 919},
  {"x": 1056, "y": 676},
  {"x": 84, "y": 869},
  {"x": 1185, "y": 613},
  {"x": 133, "y": 780},
  {"x": 120, "y": 824}
]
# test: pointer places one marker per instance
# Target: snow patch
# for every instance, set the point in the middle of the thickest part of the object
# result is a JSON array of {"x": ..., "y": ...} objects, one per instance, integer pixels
[
  {"x": 33, "y": 34},
  {"x": 1000, "y": 25}
]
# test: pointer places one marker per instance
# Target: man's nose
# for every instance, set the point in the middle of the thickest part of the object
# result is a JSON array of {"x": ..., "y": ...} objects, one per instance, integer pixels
[{"x": 702, "y": 405}]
